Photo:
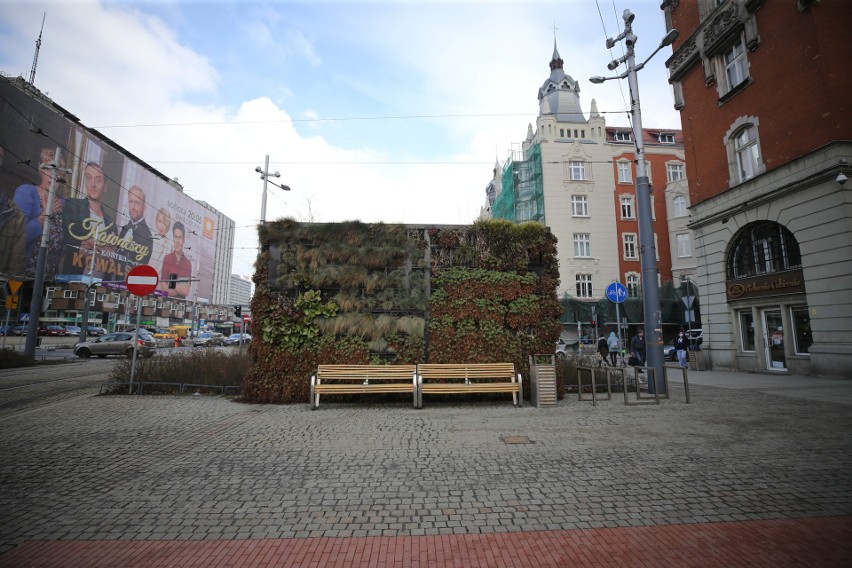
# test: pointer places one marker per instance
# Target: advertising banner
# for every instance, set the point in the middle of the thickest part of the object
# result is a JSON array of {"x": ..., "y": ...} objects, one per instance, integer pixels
[{"x": 110, "y": 213}]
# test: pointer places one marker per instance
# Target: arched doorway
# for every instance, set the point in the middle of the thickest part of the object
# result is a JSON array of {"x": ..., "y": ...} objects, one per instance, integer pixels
[{"x": 766, "y": 291}]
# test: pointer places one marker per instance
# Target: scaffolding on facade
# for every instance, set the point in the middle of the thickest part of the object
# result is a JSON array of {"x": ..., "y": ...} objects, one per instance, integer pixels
[{"x": 522, "y": 196}]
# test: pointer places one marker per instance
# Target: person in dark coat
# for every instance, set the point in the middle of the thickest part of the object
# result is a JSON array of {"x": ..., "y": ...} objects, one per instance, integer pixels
[
  {"x": 603, "y": 349},
  {"x": 681, "y": 344},
  {"x": 637, "y": 348}
]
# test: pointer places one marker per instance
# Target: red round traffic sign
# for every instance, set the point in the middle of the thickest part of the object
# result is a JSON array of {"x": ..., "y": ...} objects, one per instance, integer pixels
[{"x": 142, "y": 280}]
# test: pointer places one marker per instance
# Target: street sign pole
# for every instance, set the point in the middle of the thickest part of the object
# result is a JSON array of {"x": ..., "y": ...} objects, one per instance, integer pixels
[
  {"x": 141, "y": 281},
  {"x": 617, "y": 293},
  {"x": 135, "y": 343}
]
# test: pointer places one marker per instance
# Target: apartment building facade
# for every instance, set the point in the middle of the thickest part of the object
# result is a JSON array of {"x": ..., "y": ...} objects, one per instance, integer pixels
[{"x": 763, "y": 91}]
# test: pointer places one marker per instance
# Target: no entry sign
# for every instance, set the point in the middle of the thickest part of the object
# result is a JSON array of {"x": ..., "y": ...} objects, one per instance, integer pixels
[{"x": 142, "y": 280}]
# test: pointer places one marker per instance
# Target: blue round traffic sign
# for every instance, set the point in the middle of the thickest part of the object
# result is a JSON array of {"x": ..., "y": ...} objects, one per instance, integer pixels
[{"x": 616, "y": 292}]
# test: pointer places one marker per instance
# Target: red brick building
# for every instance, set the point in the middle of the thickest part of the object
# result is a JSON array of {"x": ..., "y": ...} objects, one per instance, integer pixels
[{"x": 764, "y": 93}]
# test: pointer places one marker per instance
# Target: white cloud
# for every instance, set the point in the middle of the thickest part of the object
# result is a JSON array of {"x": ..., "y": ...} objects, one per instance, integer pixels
[{"x": 115, "y": 64}]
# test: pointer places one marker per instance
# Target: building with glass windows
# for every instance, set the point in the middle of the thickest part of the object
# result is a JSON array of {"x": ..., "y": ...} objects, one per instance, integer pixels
[
  {"x": 578, "y": 176},
  {"x": 763, "y": 91}
]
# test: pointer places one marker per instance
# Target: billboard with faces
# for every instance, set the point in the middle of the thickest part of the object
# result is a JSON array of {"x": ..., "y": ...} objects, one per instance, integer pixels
[{"x": 111, "y": 212}]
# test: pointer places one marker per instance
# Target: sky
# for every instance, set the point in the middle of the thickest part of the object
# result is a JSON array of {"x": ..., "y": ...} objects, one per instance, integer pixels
[{"x": 371, "y": 110}]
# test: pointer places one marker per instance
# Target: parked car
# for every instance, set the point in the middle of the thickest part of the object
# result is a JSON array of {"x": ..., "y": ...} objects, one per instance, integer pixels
[
  {"x": 73, "y": 329},
  {"x": 120, "y": 343},
  {"x": 208, "y": 339},
  {"x": 95, "y": 331},
  {"x": 6, "y": 330},
  {"x": 234, "y": 339},
  {"x": 52, "y": 330},
  {"x": 669, "y": 353},
  {"x": 20, "y": 330}
]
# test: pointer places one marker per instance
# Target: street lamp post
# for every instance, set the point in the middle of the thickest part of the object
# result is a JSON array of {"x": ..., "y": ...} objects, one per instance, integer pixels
[
  {"x": 38, "y": 284},
  {"x": 647, "y": 248},
  {"x": 265, "y": 175}
]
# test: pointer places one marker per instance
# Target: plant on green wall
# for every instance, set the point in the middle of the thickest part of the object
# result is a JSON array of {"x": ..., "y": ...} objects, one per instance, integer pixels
[{"x": 302, "y": 327}]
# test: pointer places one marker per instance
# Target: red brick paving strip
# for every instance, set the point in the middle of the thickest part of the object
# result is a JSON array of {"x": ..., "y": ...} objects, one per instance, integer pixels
[{"x": 814, "y": 542}]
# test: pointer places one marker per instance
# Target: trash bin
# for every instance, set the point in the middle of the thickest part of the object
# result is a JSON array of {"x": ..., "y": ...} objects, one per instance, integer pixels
[{"x": 543, "y": 380}]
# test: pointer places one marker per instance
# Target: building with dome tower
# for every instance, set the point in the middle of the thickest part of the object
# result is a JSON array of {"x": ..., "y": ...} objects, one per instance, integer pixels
[{"x": 575, "y": 174}]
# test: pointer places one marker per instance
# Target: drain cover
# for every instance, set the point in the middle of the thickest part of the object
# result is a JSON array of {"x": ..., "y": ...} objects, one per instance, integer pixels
[{"x": 516, "y": 440}]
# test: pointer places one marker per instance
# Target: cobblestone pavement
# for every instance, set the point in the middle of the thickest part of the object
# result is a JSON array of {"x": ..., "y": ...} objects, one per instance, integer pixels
[{"x": 146, "y": 468}]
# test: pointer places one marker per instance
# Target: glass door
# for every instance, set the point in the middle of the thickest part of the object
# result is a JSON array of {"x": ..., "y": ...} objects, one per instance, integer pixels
[{"x": 773, "y": 338}]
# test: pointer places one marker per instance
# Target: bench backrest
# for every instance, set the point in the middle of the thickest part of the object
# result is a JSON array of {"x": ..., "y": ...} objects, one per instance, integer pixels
[
  {"x": 502, "y": 371},
  {"x": 361, "y": 372}
]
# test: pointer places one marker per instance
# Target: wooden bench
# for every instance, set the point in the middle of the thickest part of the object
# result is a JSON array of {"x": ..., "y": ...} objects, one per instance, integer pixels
[
  {"x": 363, "y": 379},
  {"x": 459, "y": 378}
]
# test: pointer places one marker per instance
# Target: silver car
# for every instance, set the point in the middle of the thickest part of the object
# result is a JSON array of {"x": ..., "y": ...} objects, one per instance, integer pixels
[
  {"x": 120, "y": 343},
  {"x": 208, "y": 338}
]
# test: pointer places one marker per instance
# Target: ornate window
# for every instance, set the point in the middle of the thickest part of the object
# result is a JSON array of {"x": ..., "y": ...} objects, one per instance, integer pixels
[
  {"x": 736, "y": 65},
  {"x": 742, "y": 144},
  {"x": 763, "y": 248}
]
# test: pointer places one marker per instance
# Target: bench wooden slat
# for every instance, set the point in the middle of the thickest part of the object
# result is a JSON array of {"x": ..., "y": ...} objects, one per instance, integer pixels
[
  {"x": 475, "y": 377},
  {"x": 363, "y": 379}
]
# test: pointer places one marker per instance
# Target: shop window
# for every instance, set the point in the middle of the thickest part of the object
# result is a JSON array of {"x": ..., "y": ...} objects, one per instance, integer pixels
[
  {"x": 801, "y": 329},
  {"x": 747, "y": 331}
]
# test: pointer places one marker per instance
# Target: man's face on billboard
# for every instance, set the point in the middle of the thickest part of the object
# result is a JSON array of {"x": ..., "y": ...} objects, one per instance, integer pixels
[
  {"x": 136, "y": 204},
  {"x": 178, "y": 238},
  {"x": 95, "y": 183}
]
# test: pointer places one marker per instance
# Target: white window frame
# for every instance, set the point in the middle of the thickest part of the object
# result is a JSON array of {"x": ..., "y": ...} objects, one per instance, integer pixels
[
  {"x": 622, "y": 136},
  {"x": 735, "y": 151},
  {"x": 71, "y": 294},
  {"x": 627, "y": 208},
  {"x": 684, "y": 245},
  {"x": 579, "y": 206},
  {"x": 625, "y": 171},
  {"x": 735, "y": 65},
  {"x": 632, "y": 284},
  {"x": 675, "y": 171},
  {"x": 582, "y": 245},
  {"x": 666, "y": 138},
  {"x": 629, "y": 246},
  {"x": 746, "y": 152},
  {"x": 679, "y": 206},
  {"x": 577, "y": 170},
  {"x": 584, "y": 286}
]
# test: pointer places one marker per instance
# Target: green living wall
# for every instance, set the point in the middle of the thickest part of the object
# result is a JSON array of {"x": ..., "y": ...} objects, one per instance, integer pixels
[{"x": 359, "y": 293}]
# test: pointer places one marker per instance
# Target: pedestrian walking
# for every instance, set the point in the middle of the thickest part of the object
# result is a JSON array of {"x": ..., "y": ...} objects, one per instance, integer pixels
[
  {"x": 614, "y": 345},
  {"x": 681, "y": 344}
]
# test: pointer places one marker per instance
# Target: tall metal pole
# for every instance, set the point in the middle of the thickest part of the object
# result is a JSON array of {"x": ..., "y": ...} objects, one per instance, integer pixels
[
  {"x": 38, "y": 285},
  {"x": 263, "y": 200},
  {"x": 647, "y": 247}
]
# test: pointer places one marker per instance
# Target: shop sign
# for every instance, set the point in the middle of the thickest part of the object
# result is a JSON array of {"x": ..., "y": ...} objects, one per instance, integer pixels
[{"x": 777, "y": 284}]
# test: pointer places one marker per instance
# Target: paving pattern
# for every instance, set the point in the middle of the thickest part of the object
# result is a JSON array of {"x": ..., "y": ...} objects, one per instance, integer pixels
[{"x": 165, "y": 472}]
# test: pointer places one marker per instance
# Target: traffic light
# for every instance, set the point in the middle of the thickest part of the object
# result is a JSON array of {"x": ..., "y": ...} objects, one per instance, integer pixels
[{"x": 238, "y": 311}]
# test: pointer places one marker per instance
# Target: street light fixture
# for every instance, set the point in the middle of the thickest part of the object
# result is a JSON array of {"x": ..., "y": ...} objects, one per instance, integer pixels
[
  {"x": 265, "y": 175},
  {"x": 648, "y": 256}
]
